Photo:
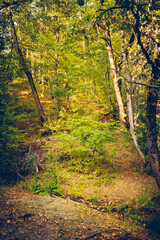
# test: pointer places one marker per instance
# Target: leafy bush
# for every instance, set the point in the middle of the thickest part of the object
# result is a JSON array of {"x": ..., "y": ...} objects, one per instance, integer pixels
[
  {"x": 48, "y": 185},
  {"x": 47, "y": 188},
  {"x": 82, "y": 146}
]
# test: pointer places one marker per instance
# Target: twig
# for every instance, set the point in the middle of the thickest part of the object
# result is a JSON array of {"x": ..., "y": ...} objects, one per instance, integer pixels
[
  {"x": 20, "y": 176},
  {"x": 93, "y": 235}
]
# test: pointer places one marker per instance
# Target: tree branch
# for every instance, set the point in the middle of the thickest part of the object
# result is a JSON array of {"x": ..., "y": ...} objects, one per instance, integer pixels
[
  {"x": 119, "y": 7},
  {"x": 138, "y": 83},
  {"x": 138, "y": 33}
]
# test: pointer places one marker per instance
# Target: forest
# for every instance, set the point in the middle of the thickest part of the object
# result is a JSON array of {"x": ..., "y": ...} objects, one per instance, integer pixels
[{"x": 79, "y": 113}]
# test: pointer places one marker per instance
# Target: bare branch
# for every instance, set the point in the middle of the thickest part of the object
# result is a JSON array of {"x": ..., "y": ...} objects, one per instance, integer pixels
[
  {"x": 138, "y": 33},
  {"x": 138, "y": 83}
]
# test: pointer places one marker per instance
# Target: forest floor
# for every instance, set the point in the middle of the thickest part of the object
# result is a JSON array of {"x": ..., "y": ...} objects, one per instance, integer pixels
[{"x": 25, "y": 215}]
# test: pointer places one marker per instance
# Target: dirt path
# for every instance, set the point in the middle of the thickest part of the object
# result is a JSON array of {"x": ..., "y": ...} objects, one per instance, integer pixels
[
  {"x": 37, "y": 217},
  {"x": 26, "y": 216}
]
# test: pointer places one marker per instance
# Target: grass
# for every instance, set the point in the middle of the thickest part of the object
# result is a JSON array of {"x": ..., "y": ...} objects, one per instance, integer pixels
[{"x": 92, "y": 198}]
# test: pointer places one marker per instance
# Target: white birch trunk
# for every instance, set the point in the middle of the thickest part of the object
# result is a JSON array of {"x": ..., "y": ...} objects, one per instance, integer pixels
[{"x": 129, "y": 99}]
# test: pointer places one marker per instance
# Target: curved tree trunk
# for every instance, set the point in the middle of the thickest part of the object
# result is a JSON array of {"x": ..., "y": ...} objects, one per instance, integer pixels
[{"x": 26, "y": 69}]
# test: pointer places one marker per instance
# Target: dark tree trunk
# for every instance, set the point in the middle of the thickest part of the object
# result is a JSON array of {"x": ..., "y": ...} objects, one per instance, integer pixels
[
  {"x": 152, "y": 96},
  {"x": 26, "y": 69},
  {"x": 153, "y": 152}
]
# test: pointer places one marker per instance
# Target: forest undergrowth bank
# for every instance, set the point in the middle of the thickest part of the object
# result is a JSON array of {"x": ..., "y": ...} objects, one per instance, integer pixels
[{"x": 94, "y": 163}]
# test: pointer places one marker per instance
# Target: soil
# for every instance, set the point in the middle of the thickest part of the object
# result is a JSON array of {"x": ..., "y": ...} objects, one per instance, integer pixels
[{"x": 26, "y": 216}]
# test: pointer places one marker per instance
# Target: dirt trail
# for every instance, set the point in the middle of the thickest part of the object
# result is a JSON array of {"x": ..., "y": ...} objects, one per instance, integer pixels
[
  {"x": 37, "y": 217},
  {"x": 26, "y": 216}
]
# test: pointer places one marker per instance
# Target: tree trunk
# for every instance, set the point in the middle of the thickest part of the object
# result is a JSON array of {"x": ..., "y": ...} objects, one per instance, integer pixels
[
  {"x": 151, "y": 111},
  {"x": 153, "y": 152},
  {"x": 26, "y": 70},
  {"x": 129, "y": 98},
  {"x": 56, "y": 97},
  {"x": 152, "y": 99},
  {"x": 122, "y": 114}
]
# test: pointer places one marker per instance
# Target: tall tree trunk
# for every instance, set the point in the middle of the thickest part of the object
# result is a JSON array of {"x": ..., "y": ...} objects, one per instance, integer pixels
[
  {"x": 122, "y": 114},
  {"x": 26, "y": 69},
  {"x": 152, "y": 99},
  {"x": 56, "y": 98},
  {"x": 153, "y": 152},
  {"x": 129, "y": 98},
  {"x": 151, "y": 111}
]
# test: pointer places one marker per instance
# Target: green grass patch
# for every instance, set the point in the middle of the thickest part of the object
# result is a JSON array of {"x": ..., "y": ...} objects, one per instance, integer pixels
[{"x": 92, "y": 198}]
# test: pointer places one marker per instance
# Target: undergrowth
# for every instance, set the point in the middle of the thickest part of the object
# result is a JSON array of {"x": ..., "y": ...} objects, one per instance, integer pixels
[
  {"x": 143, "y": 211},
  {"x": 45, "y": 184},
  {"x": 81, "y": 146}
]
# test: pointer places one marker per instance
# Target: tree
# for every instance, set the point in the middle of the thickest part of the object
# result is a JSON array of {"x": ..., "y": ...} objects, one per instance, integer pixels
[
  {"x": 122, "y": 114},
  {"x": 9, "y": 134},
  {"x": 105, "y": 22},
  {"x": 143, "y": 22},
  {"x": 129, "y": 98},
  {"x": 25, "y": 68}
]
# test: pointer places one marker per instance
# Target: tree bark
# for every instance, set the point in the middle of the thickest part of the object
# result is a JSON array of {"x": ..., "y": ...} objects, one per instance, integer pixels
[
  {"x": 129, "y": 98},
  {"x": 152, "y": 99},
  {"x": 151, "y": 112},
  {"x": 122, "y": 114},
  {"x": 26, "y": 69},
  {"x": 153, "y": 152},
  {"x": 56, "y": 97}
]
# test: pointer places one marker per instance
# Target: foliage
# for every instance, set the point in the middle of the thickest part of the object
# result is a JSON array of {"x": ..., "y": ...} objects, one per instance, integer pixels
[
  {"x": 10, "y": 137},
  {"x": 142, "y": 133},
  {"x": 48, "y": 187},
  {"x": 139, "y": 168},
  {"x": 92, "y": 198},
  {"x": 82, "y": 147},
  {"x": 63, "y": 45},
  {"x": 47, "y": 183}
]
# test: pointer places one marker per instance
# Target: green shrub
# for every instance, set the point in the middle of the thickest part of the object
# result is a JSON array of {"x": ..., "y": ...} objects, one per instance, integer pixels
[
  {"x": 82, "y": 147},
  {"x": 49, "y": 187}
]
